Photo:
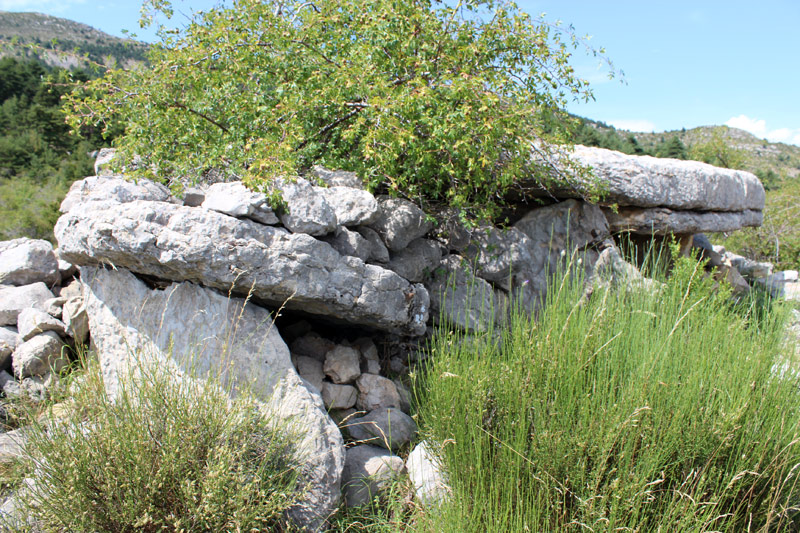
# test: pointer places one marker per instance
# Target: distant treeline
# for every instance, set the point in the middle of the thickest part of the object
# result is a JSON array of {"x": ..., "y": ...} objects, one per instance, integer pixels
[{"x": 589, "y": 133}]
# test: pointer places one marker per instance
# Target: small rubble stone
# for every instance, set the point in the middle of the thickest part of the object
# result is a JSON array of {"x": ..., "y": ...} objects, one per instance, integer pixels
[
  {"x": 194, "y": 197},
  {"x": 25, "y": 261},
  {"x": 9, "y": 340},
  {"x": 236, "y": 200},
  {"x": 398, "y": 366},
  {"x": 73, "y": 290},
  {"x": 353, "y": 207},
  {"x": 39, "y": 355},
  {"x": 378, "y": 251},
  {"x": 312, "y": 345},
  {"x": 370, "y": 362},
  {"x": 336, "y": 178},
  {"x": 400, "y": 223},
  {"x": 386, "y": 427},
  {"x": 32, "y": 322},
  {"x": 367, "y": 471},
  {"x": 350, "y": 243},
  {"x": 54, "y": 306},
  {"x": 14, "y": 299},
  {"x": 342, "y": 364},
  {"x": 375, "y": 392},
  {"x": 338, "y": 396},
  {"x": 405, "y": 395},
  {"x": 425, "y": 472},
  {"x": 9, "y": 385},
  {"x": 310, "y": 369},
  {"x": 112, "y": 189},
  {"x": 417, "y": 260},
  {"x": 76, "y": 319}
]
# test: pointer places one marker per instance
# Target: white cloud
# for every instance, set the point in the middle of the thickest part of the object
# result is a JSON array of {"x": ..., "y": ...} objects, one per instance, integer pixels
[
  {"x": 633, "y": 125},
  {"x": 758, "y": 127}
]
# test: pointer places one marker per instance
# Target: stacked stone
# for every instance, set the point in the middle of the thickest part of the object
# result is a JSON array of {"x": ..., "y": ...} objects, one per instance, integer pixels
[{"x": 42, "y": 316}]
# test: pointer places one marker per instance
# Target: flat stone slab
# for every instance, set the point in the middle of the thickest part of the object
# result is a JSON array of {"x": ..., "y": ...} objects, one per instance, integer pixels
[
  {"x": 645, "y": 181},
  {"x": 180, "y": 243},
  {"x": 660, "y": 221}
]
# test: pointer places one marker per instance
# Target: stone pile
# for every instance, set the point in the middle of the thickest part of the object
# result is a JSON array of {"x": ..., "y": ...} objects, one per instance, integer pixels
[{"x": 42, "y": 316}]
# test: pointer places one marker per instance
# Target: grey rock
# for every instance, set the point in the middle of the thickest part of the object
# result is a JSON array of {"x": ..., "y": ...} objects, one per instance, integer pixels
[
  {"x": 405, "y": 395},
  {"x": 367, "y": 471},
  {"x": 76, "y": 319},
  {"x": 54, "y": 306},
  {"x": 39, "y": 356},
  {"x": 387, "y": 427},
  {"x": 661, "y": 221},
  {"x": 32, "y": 322},
  {"x": 342, "y": 417},
  {"x": 310, "y": 369},
  {"x": 378, "y": 251},
  {"x": 66, "y": 270},
  {"x": 338, "y": 396},
  {"x": 427, "y": 475},
  {"x": 611, "y": 269},
  {"x": 236, "y": 200},
  {"x": 353, "y": 207},
  {"x": 194, "y": 197},
  {"x": 9, "y": 340},
  {"x": 644, "y": 181},
  {"x": 307, "y": 210},
  {"x": 342, "y": 364},
  {"x": 113, "y": 189},
  {"x": 195, "y": 331},
  {"x": 73, "y": 290},
  {"x": 274, "y": 266},
  {"x": 370, "y": 361},
  {"x": 12, "y": 445},
  {"x": 336, "y": 178},
  {"x": 747, "y": 267},
  {"x": 350, "y": 243},
  {"x": 375, "y": 392},
  {"x": 312, "y": 345},
  {"x": 400, "y": 223},
  {"x": 9, "y": 385},
  {"x": 498, "y": 254},
  {"x": 14, "y": 299},
  {"x": 417, "y": 260},
  {"x": 103, "y": 161},
  {"x": 461, "y": 298},
  {"x": 25, "y": 261}
]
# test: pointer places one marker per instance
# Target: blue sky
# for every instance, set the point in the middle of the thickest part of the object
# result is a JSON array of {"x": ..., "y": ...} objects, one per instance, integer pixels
[{"x": 685, "y": 63}]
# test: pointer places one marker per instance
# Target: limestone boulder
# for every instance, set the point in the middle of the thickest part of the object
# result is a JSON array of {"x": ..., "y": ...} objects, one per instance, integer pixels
[
  {"x": 417, "y": 260},
  {"x": 498, "y": 254},
  {"x": 32, "y": 322},
  {"x": 375, "y": 392},
  {"x": 349, "y": 243},
  {"x": 271, "y": 264},
  {"x": 103, "y": 161},
  {"x": 367, "y": 471},
  {"x": 25, "y": 261},
  {"x": 662, "y": 221},
  {"x": 310, "y": 369},
  {"x": 377, "y": 250},
  {"x": 342, "y": 364},
  {"x": 39, "y": 356},
  {"x": 14, "y": 299},
  {"x": 236, "y": 200},
  {"x": 336, "y": 178},
  {"x": 307, "y": 210},
  {"x": 426, "y": 473},
  {"x": 353, "y": 207},
  {"x": 113, "y": 189},
  {"x": 195, "y": 332},
  {"x": 76, "y": 319},
  {"x": 644, "y": 181},
  {"x": 338, "y": 396},
  {"x": 400, "y": 223}
]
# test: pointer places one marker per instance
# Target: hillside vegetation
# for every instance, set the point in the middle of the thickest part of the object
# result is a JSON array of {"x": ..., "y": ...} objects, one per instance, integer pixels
[{"x": 64, "y": 43}]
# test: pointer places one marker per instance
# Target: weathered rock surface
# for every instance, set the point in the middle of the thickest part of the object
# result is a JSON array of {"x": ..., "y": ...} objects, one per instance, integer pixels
[
  {"x": 103, "y": 160},
  {"x": 182, "y": 243},
  {"x": 312, "y": 345},
  {"x": 9, "y": 340},
  {"x": 39, "y": 356},
  {"x": 236, "y": 200},
  {"x": 353, "y": 207},
  {"x": 660, "y": 221},
  {"x": 338, "y": 396},
  {"x": 417, "y": 260},
  {"x": 187, "y": 327},
  {"x": 336, "y": 178},
  {"x": 400, "y": 223},
  {"x": 342, "y": 364},
  {"x": 14, "y": 299},
  {"x": 425, "y": 472},
  {"x": 498, "y": 254},
  {"x": 375, "y": 392},
  {"x": 310, "y": 369},
  {"x": 113, "y": 189},
  {"x": 25, "y": 261},
  {"x": 350, "y": 243},
  {"x": 378, "y": 251},
  {"x": 644, "y": 181},
  {"x": 76, "y": 319},
  {"x": 32, "y": 322},
  {"x": 307, "y": 210},
  {"x": 194, "y": 197},
  {"x": 367, "y": 471},
  {"x": 387, "y": 427}
]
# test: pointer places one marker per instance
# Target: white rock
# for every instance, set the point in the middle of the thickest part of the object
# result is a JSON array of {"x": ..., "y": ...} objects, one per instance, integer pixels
[
  {"x": 14, "y": 299},
  {"x": 310, "y": 369},
  {"x": 236, "y": 200},
  {"x": 353, "y": 207},
  {"x": 32, "y": 322},
  {"x": 39, "y": 356},
  {"x": 25, "y": 261},
  {"x": 425, "y": 472},
  {"x": 336, "y": 178},
  {"x": 342, "y": 364},
  {"x": 378, "y": 251},
  {"x": 76, "y": 319},
  {"x": 350, "y": 243},
  {"x": 367, "y": 471},
  {"x": 113, "y": 189},
  {"x": 375, "y": 392},
  {"x": 307, "y": 209}
]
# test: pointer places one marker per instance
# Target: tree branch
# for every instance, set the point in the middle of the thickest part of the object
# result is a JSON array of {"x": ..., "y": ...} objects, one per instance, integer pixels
[{"x": 179, "y": 105}]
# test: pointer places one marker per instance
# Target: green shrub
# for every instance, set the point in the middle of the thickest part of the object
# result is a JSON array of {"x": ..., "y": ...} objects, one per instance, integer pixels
[
  {"x": 163, "y": 456},
  {"x": 634, "y": 411},
  {"x": 438, "y": 102}
]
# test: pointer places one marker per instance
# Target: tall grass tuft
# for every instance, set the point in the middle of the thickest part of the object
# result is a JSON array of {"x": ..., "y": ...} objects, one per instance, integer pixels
[
  {"x": 163, "y": 455},
  {"x": 636, "y": 410}
]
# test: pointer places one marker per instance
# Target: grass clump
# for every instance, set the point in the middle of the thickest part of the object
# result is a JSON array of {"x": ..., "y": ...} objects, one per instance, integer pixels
[
  {"x": 638, "y": 410},
  {"x": 163, "y": 455}
]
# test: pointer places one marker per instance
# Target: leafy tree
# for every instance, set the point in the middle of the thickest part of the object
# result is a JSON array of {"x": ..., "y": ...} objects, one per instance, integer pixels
[
  {"x": 716, "y": 151},
  {"x": 442, "y": 104}
]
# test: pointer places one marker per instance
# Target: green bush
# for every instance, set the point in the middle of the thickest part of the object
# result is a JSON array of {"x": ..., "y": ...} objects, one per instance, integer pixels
[
  {"x": 634, "y": 411},
  {"x": 162, "y": 456},
  {"x": 438, "y": 102}
]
